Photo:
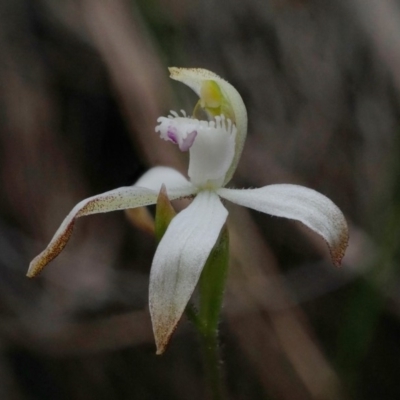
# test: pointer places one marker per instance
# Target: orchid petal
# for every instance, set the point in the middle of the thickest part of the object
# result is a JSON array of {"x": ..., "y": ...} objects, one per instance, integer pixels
[
  {"x": 299, "y": 203},
  {"x": 118, "y": 199},
  {"x": 177, "y": 185},
  {"x": 179, "y": 260},
  {"x": 231, "y": 103}
]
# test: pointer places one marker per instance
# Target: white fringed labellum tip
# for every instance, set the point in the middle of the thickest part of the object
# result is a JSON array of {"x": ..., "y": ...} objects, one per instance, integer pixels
[{"x": 211, "y": 145}]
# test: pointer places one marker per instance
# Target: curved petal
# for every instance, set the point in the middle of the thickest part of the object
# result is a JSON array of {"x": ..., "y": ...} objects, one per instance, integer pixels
[
  {"x": 199, "y": 80},
  {"x": 118, "y": 199},
  {"x": 299, "y": 203},
  {"x": 175, "y": 182},
  {"x": 179, "y": 260}
]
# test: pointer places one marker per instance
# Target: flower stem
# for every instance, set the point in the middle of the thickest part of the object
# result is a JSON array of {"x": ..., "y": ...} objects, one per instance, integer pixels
[
  {"x": 211, "y": 286},
  {"x": 212, "y": 366},
  {"x": 211, "y": 356}
]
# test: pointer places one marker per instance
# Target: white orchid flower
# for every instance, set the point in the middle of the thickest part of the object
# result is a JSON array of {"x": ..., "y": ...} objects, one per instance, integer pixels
[{"x": 215, "y": 146}]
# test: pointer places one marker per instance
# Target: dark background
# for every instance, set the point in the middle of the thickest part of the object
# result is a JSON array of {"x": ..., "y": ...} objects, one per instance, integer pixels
[{"x": 82, "y": 83}]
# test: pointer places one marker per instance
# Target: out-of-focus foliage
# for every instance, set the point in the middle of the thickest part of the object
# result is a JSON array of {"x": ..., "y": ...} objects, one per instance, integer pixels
[{"x": 82, "y": 84}]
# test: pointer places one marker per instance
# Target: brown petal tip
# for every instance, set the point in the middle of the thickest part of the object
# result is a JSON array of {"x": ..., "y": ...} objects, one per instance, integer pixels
[
  {"x": 163, "y": 337},
  {"x": 54, "y": 248},
  {"x": 338, "y": 250}
]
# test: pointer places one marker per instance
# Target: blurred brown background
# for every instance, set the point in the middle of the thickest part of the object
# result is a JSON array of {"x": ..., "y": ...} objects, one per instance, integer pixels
[{"x": 82, "y": 83}]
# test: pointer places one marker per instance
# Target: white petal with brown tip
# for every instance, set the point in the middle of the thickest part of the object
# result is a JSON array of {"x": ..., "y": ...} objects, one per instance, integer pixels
[
  {"x": 179, "y": 260},
  {"x": 118, "y": 199},
  {"x": 299, "y": 203}
]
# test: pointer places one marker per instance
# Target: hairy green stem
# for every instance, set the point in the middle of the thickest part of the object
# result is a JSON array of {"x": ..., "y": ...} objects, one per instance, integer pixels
[
  {"x": 211, "y": 287},
  {"x": 212, "y": 365}
]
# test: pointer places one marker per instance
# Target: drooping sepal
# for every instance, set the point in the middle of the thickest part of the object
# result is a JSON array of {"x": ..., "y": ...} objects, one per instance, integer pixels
[
  {"x": 179, "y": 261},
  {"x": 143, "y": 193},
  {"x": 118, "y": 199}
]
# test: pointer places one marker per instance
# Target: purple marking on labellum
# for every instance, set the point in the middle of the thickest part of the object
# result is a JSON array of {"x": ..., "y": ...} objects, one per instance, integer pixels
[
  {"x": 172, "y": 134},
  {"x": 186, "y": 143}
]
